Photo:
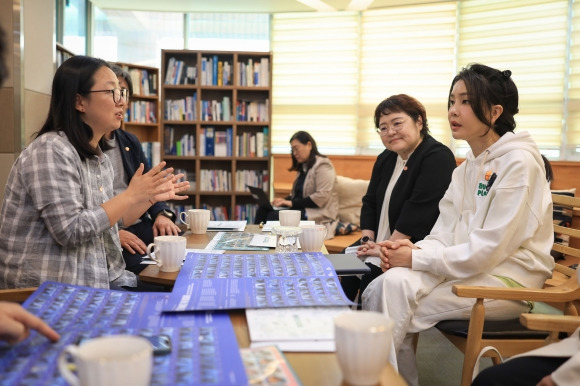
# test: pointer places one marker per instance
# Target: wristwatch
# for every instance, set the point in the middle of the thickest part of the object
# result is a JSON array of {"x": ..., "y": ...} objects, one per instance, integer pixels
[
  {"x": 365, "y": 239},
  {"x": 167, "y": 213}
]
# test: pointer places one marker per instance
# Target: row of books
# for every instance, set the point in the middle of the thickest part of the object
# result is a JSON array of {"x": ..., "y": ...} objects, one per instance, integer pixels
[
  {"x": 189, "y": 176},
  {"x": 144, "y": 82},
  {"x": 253, "y": 144},
  {"x": 141, "y": 112},
  {"x": 258, "y": 178},
  {"x": 253, "y": 111},
  {"x": 217, "y": 213},
  {"x": 215, "y": 180},
  {"x": 178, "y": 72},
  {"x": 215, "y": 72},
  {"x": 184, "y": 146},
  {"x": 246, "y": 212},
  {"x": 214, "y": 142},
  {"x": 213, "y": 110},
  {"x": 181, "y": 109},
  {"x": 152, "y": 152},
  {"x": 254, "y": 73}
]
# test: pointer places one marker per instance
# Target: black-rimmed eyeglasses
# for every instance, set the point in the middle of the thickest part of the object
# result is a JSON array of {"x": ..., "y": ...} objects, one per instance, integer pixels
[{"x": 118, "y": 93}]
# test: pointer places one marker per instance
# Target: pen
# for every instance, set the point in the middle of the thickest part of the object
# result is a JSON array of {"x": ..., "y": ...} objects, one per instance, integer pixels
[{"x": 490, "y": 182}]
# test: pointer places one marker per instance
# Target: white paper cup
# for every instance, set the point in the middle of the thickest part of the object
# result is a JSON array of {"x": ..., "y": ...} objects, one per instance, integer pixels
[
  {"x": 169, "y": 252},
  {"x": 363, "y": 342},
  {"x": 312, "y": 237},
  {"x": 289, "y": 217},
  {"x": 116, "y": 360}
]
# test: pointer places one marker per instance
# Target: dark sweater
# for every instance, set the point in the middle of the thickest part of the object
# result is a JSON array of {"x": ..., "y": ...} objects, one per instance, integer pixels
[
  {"x": 132, "y": 155},
  {"x": 414, "y": 203}
]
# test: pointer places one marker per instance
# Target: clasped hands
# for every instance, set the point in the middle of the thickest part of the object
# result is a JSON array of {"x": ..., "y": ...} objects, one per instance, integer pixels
[{"x": 396, "y": 253}]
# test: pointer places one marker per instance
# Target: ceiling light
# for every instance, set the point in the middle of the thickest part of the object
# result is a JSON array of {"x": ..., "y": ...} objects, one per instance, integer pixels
[
  {"x": 358, "y": 5},
  {"x": 317, "y": 5}
]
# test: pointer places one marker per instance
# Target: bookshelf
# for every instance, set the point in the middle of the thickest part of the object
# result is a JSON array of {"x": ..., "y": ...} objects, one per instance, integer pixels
[{"x": 215, "y": 127}]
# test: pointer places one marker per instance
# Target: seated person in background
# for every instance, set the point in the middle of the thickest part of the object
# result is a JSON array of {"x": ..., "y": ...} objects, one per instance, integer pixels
[
  {"x": 59, "y": 215},
  {"x": 494, "y": 227},
  {"x": 126, "y": 155},
  {"x": 409, "y": 179},
  {"x": 557, "y": 364},
  {"x": 16, "y": 323},
  {"x": 314, "y": 189}
]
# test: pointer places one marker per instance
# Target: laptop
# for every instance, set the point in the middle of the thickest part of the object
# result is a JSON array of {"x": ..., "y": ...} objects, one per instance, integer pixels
[
  {"x": 347, "y": 264},
  {"x": 262, "y": 198}
]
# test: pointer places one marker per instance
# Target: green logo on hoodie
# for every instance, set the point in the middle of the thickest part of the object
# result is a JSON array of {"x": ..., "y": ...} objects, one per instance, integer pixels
[{"x": 482, "y": 189}]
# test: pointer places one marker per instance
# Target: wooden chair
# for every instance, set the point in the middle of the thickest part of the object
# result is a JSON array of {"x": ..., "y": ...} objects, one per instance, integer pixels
[
  {"x": 509, "y": 337},
  {"x": 18, "y": 295}
]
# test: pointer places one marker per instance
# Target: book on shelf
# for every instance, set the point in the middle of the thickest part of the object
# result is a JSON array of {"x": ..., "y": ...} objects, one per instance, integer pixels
[
  {"x": 209, "y": 141},
  {"x": 178, "y": 72},
  {"x": 220, "y": 148}
]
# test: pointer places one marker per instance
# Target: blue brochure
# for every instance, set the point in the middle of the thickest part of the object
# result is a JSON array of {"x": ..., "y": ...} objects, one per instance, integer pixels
[
  {"x": 239, "y": 281},
  {"x": 204, "y": 346}
]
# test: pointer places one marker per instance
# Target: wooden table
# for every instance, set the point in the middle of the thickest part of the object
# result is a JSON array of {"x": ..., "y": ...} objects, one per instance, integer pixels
[{"x": 312, "y": 368}]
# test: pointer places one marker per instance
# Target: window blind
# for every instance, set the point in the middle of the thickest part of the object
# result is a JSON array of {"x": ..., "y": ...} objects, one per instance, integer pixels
[
  {"x": 407, "y": 50},
  {"x": 528, "y": 37},
  {"x": 571, "y": 134},
  {"x": 315, "y": 82}
]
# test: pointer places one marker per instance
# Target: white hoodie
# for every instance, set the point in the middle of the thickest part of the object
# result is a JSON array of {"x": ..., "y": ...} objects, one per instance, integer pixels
[{"x": 506, "y": 231}]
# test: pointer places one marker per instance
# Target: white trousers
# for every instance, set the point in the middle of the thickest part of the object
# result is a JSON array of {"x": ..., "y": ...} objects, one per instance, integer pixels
[{"x": 417, "y": 300}]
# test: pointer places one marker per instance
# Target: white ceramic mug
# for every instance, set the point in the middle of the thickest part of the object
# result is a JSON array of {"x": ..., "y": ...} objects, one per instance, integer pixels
[
  {"x": 169, "y": 252},
  {"x": 196, "y": 219},
  {"x": 312, "y": 237},
  {"x": 184, "y": 218},
  {"x": 289, "y": 217},
  {"x": 116, "y": 360},
  {"x": 363, "y": 343}
]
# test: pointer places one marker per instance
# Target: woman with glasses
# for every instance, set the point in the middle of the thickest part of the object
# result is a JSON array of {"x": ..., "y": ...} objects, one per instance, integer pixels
[
  {"x": 494, "y": 228},
  {"x": 59, "y": 215},
  {"x": 314, "y": 189},
  {"x": 408, "y": 180}
]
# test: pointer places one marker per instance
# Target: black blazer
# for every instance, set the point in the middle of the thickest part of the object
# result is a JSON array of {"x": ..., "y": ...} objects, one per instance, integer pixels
[
  {"x": 133, "y": 155},
  {"x": 414, "y": 203}
]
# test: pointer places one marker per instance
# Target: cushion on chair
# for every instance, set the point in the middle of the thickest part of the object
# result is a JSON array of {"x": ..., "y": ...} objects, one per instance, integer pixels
[
  {"x": 350, "y": 194},
  {"x": 492, "y": 329}
]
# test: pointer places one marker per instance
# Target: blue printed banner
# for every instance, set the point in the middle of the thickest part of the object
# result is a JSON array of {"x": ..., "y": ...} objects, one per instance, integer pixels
[{"x": 239, "y": 281}]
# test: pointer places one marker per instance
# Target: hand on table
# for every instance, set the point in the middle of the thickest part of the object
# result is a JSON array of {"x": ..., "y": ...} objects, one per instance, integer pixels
[{"x": 16, "y": 322}]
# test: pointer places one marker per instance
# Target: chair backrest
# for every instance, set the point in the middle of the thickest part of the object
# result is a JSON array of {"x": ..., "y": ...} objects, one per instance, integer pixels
[{"x": 570, "y": 244}]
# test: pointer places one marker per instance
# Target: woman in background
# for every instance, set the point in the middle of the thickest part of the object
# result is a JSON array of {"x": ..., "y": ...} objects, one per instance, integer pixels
[
  {"x": 126, "y": 154},
  {"x": 408, "y": 180},
  {"x": 59, "y": 215},
  {"x": 314, "y": 189}
]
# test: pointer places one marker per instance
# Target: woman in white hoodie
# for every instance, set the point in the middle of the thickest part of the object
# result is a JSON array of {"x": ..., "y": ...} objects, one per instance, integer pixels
[{"x": 494, "y": 227}]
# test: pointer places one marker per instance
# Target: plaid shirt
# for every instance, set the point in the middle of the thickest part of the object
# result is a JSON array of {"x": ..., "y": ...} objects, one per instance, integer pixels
[{"x": 53, "y": 226}]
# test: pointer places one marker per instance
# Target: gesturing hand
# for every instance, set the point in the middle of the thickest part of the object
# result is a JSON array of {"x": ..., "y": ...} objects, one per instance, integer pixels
[{"x": 157, "y": 184}]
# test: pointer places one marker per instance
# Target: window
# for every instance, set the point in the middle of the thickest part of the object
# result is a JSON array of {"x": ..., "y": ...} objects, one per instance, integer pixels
[
  {"x": 315, "y": 80},
  {"x": 417, "y": 50},
  {"x": 75, "y": 26},
  {"x": 407, "y": 50},
  {"x": 229, "y": 32},
  {"x": 136, "y": 37},
  {"x": 529, "y": 38}
]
